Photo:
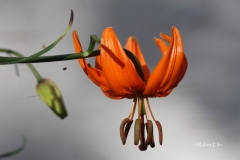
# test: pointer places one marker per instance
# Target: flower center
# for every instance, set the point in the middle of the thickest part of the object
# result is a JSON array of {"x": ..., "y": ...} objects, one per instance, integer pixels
[{"x": 144, "y": 110}]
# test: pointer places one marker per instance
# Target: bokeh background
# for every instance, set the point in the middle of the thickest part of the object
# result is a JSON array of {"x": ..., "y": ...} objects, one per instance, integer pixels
[{"x": 204, "y": 108}]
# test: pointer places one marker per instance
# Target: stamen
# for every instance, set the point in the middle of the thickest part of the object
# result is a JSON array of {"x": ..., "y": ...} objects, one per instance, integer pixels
[
  {"x": 159, "y": 132},
  {"x": 124, "y": 133},
  {"x": 148, "y": 105},
  {"x": 127, "y": 128},
  {"x": 137, "y": 128},
  {"x": 143, "y": 145},
  {"x": 149, "y": 127},
  {"x": 152, "y": 143},
  {"x": 127, "y": 122},
  {"x": 159, "y": 126},
  {"x": 132, "y": 111}
]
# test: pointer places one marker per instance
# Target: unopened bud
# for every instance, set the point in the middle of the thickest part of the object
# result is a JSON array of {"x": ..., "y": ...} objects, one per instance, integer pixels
[{"x": 51, "y": 95}]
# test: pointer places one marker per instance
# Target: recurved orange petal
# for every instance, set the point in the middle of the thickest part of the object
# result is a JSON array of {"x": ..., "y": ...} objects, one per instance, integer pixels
[
  {"x": 117, "y": 67},
  {"x": 95, "y": 75},
  {"x": 183, "y": 71},
  {"x": 184, "y": 63},
  {"x": 161, "y": 45},
  {"x": 170, "y": 69},
  {"x": 98, "y": 63},
  {"x": 177, "y": 67},
  {"x": 133, "y": 46},
  {"x": 113, "y": 95},
  {"x": 166, "y": 37}
]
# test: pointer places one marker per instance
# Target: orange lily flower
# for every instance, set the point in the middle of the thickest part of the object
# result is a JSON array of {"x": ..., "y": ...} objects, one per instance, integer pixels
[{"x": 117, "y": 77}]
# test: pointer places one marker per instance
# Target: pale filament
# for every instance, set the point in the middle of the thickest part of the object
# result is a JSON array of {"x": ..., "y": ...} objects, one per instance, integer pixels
[
  {"x": 132, "y": 111},
  {"x": 146, "y": 108},
  {"x": 150, "y": 109}
]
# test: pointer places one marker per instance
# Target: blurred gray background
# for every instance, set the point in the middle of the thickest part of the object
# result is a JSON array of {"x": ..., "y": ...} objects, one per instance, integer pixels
[{"x": 204, "y": 108}]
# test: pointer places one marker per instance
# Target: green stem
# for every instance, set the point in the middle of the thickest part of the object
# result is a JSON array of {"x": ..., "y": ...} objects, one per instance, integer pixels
[
  {"x": 89, "y": 53},
  {"x": 64, "y": 57},
  {"x": 31, "y": 67},
  {"x": 35, "y": 72}
]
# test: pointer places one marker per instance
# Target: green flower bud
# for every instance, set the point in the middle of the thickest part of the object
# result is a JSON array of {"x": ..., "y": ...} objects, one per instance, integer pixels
[{"x": 51, "y": 95}]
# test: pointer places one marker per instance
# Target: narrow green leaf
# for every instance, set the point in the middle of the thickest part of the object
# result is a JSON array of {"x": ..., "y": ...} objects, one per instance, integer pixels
[
  {"x": 50, "y": 46},
  {"x": 8, "y": 154}
]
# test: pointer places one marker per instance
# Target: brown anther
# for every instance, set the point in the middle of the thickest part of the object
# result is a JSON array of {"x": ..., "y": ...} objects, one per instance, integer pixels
[
  {"x": 122, "y": 132},
  {"x": 142, "y": 134},
  {"x": 149, "y": 127},
  {"x": 159, "y": 126},
  {"x": 152, "y": 143},
  {"x": 127, "y": 128},
  {"x": 137, "y": 128}
]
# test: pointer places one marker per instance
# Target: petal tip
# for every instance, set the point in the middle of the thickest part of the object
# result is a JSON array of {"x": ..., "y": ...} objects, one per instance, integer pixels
[
  {"x": 175, "y": 30},
  {"x": 132, "y": 38},
  {"x": 75, "y": 33},
  {"x": 109, "y": 28}
]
